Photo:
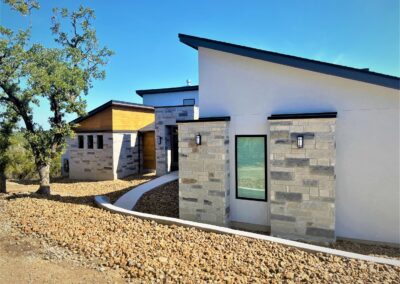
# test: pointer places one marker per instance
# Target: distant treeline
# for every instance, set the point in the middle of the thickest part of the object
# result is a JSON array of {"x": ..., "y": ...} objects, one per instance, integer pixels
[{"x": 22, "y": 164}]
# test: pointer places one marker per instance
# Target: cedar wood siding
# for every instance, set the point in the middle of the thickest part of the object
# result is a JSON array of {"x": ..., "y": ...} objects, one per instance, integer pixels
[
  {"x": 101, "y": 121},
  {"x": 128, "y": 119},
  {"x": 117, "y": 118}
]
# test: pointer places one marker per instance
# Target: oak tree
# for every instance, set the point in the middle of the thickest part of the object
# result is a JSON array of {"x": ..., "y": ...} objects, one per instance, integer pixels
[{"x": 62, "y": 75}]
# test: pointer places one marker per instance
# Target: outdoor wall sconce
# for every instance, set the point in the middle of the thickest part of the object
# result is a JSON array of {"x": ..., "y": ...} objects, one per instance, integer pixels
[
  {"x": 300, "y": 141},
  {"x": 159, "y": 138},
  {"x": 198, "y": 139}
]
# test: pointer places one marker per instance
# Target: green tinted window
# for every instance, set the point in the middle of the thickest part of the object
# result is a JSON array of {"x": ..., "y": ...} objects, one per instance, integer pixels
[{"x": 250, "y": 167}]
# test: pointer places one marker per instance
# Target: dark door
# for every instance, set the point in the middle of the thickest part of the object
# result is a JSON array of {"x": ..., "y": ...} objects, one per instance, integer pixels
[{"x": 174, "y": 150}]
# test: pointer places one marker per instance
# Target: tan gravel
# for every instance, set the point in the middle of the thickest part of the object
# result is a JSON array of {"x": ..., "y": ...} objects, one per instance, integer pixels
[
  {"x": 163, "y": 201},
  {"x": 151, "y": 251},
  {"x": 83, "y": 191}
]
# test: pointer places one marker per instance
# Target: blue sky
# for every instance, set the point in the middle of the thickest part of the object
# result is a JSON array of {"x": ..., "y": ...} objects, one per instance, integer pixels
[{"x": 144, "y": 36}]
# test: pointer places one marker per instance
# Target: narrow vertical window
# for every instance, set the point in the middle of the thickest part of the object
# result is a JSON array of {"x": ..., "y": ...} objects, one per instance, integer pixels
[
  {"x": 80, "y": 141},
  {"x": 99, "y": 141},
  {"x": 251, "y": 170},
  {"x": 90, "y": 141}
]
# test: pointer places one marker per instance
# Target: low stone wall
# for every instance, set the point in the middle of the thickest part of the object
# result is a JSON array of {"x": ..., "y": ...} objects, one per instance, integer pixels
[
  {"x": 164, "y": 117},
  {"x": 204, "y": 172},
  {"x": 303, "y": 179}
]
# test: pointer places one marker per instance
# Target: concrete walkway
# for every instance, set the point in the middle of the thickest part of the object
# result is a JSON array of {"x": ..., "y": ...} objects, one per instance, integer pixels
[
  {"x": 103, "y": 202},
  {"x": 129, "y": 199}
]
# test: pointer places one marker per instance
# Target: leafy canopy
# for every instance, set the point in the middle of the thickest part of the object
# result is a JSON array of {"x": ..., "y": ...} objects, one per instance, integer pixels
[{"x": 61, "y": 75}]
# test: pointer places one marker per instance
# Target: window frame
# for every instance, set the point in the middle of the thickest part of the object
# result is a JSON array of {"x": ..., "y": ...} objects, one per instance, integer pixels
[
  {"x": 88, "y": 142},
  {"x": 97, "y": 142},
  {"x": 265, "y": 167},
  {"x": 194, "y": 102},
  {"x": 83, "y": 142}
]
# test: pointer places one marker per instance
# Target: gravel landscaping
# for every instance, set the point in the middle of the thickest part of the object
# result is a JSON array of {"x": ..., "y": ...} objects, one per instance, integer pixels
[
  {"x": 163, "y": 201},
  {"x": 144, "y": 249}
]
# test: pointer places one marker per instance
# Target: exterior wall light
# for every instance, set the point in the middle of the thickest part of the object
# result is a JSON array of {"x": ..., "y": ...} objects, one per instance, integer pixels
[
  {"x": 159, "y": 140},
  {"x": 300, "y": 141},
  {"x": 198, "y": 139}
]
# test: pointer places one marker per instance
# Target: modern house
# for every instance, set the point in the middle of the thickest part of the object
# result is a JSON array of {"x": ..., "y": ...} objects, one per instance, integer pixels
[
  {"x": 118, "y": 139},
  {"x": 306, "y": 149},
  {"x": 112, "y": 141},
  {"x": 170, "y": 105}
]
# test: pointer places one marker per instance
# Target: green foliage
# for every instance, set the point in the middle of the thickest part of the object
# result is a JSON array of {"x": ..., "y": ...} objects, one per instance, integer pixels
[
  {"x": 24, "y": 7},
  {"x": 21, "y": 163},
  {"x": 8, "y": 120},
  {"x": 61, "y": 75}
]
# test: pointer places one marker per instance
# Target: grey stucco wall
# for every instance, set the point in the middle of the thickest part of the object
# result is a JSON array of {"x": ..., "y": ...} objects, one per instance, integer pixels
[
  {"x": 303, "y": 179},
  {"x": 165, "y": 117},
  {"x": 204, "y": 172}
]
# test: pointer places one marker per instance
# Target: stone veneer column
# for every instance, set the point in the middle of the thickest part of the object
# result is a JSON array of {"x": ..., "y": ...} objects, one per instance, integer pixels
[
  {"x": 303, "y": 179},
  {"x": 204, "y": 172},
  {"x": 167, "y": 116}
]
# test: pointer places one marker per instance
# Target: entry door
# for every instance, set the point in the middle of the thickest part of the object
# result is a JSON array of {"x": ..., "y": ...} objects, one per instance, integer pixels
[
  {"x": 174, "y": 150},
  {"x": 149, "y": 151}
]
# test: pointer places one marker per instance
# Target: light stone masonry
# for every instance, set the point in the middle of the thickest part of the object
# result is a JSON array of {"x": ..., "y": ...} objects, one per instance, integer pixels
[
  {"x": 164, "y": 118},
  {"x": 303, "y": 179},
  {"x": 118, "y": 158},
  {"x": 204, "y": 172}
]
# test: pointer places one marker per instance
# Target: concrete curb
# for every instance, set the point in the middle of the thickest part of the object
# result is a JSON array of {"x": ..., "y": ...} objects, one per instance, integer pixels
[
  {"x": 104, "y": 202},
  {"x": 129, "y": 199}
]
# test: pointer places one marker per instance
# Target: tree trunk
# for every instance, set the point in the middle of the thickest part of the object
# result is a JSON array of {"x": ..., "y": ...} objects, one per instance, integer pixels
[
  {"x": 44, "y": 173},
  {"x": 3, "y": 185}
]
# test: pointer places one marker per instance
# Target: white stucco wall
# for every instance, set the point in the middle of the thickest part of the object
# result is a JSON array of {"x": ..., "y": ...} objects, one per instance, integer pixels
[
  {"x": 367, "y": 134},
  {"x": 170, "y": 99}
]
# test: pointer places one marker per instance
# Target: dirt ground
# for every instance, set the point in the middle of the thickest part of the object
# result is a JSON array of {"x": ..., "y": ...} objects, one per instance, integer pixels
[{"x": 27, "y": 260}]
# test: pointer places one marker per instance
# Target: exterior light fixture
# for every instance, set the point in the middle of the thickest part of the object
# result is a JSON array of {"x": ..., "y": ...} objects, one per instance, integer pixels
[
  {"x": 300, "y": 141},
  {"x": 159, "y": 140},
  {"x": 198, "y": 139}
]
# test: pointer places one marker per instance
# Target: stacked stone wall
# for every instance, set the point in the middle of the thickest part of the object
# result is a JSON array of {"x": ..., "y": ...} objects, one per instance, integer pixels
[
  {"x": 118, "y": 158},
  {"x": 91, "y": 164},
  {"x": 164, "y": 117},
  {"x": 303, "y": 179},
  {"x": 125, "y": 154},
  {"x": 204, "y": 172}
]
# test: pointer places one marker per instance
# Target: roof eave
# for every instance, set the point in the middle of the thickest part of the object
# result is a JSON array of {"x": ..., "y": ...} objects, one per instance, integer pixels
[
  {"x": 167, "y": 90},
  {"x": 293, "y": 61}
]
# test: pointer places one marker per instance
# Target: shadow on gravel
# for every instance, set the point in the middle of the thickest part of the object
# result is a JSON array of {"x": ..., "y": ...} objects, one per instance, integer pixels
[
  {"x": 81, "y": 200},
  {"x": 63, "y": 180}
]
